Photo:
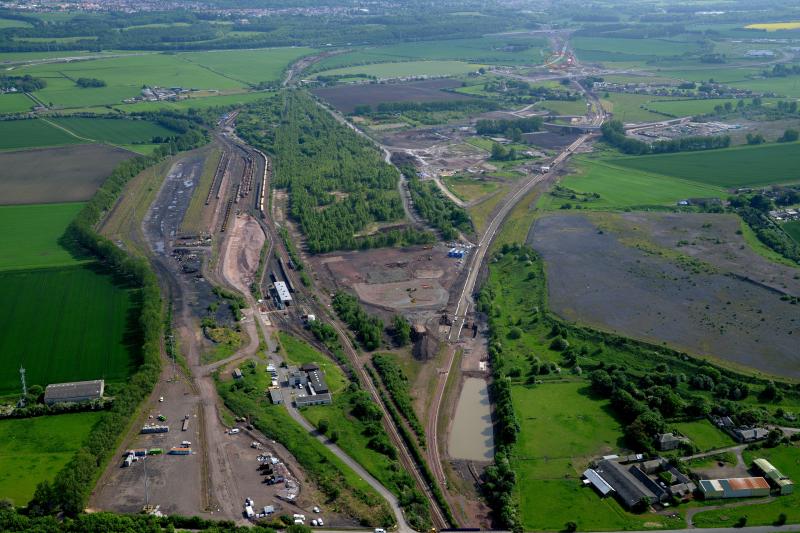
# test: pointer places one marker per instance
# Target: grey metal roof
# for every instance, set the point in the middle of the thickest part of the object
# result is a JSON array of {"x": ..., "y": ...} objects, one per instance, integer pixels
[
  {"x": 301, "y": 401},
  {"x": 283, "y": 291},
  {"x": 599, "y": 483},
  {"x": 627, "y": 488},
  {"x": 75, "y": 389}
]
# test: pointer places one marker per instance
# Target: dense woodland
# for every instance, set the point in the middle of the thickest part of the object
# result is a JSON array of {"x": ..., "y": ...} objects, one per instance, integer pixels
[
  {"x": 337, "y": 181},
  {"x": 437, "y": 210}
]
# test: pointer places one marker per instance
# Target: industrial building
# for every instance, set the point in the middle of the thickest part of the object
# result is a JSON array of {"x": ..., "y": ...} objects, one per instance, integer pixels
[
  {"x": 76, "y": 391},
  {"x": 774, "y": 476},
  {"x": 743, "y": 487},
  {"x": 283, "y": 292},
  {"x": 310, "y": 379}
]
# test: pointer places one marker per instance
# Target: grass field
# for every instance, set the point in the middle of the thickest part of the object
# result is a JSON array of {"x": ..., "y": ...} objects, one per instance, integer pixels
[
  {"x": 15, "y": 103},
  {"x": 407, "y": 69},
  {"x": 683, "y": 108},
  {"x": 13, "y": 23},
  {"x": 114, "y": 131},
  {"x": 629, "y": 107},
  {"x": 65, "y": 324},
  {"x": 704, "y": 435},
  {"x": 196, "y": 103},
  {"x": 787, "y": 460},
  {"x": 480, "y": 212},
  {"x": 490, "y": 50},
  {"x": 16, "y": 134},
  {"x": 248, "y": 66},
  {"x": 733, "y": 167},
  {"x": 564, "y": 107},
  {"x": 793, "y": 229},
  {"x": 788, "y": 86},
  {"x": 621, "y": 187},
  {"x": 36, "y": 449},
  {"x": 618, "y": 49},
  {"x": 299, "y": 352},
  {"x": 562, "y": 429},
  {"x": 469, "y": 189},
  {"x": 31, "y": 234}
]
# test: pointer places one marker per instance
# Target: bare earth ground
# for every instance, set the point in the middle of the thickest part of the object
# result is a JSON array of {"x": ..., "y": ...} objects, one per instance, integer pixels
[
  {"x": 64, "y": 174},
  {"x": 641, "y": 290},
  {"x": 413, "y": 279},
  {"x": 244, "y": 248}
]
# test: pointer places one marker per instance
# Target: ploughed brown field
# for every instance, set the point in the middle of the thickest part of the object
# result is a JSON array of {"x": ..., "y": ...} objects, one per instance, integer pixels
[{"x": 64, "y": 174}]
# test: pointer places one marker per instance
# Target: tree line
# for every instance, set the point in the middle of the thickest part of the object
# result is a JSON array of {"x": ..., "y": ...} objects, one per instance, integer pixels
[
  {"x": 26, "y": 83},
  {"x": 614, "y": 134},
  {"x": 368, "y": 329},
  {"x": 506, "y": 127},
  {"x": 396, "y": 384}
]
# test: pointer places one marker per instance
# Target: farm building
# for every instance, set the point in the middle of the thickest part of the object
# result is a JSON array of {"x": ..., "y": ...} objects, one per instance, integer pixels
[
  {"x": 773, "y": 475},
  {"x": 669, "y": 441},
  {"x": 743, "y": 487},
  {"x": 76, "y": 391},
  {"x": 627, "y": 483},
  {"x": 593, "y": 478},
  {"x": 749, "y": 434}
]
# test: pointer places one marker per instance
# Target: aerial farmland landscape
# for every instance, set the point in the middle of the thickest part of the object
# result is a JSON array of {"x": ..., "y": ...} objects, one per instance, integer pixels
[{"x": 393, "y": 266}]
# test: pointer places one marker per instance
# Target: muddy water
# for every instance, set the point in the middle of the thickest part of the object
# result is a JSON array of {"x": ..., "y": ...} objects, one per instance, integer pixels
[{"x": 471, "y": 434}]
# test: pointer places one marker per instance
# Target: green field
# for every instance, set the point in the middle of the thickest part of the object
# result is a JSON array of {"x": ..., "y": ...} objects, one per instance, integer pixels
[
  {"x": 31, "y": 234},
  {"x": 15, "y": 103},
  {"x": 793, "y": 229},
  {"x": 630, "y": 107},
  {"x": 621, "y": 187},
  {"x": 16, "y": 134},
  {"x": 683, "y": 108},
  {"x": 65, "y": 324},
  {"x": 733, "y": 167},
  {"x": 36, "y": 449},
  {"x": 562, "y": 428},
  {"x": 468, "y": 189},
  {"x": 114, "y": 131},
  {"x": 491, "y": 50},
  {"x": 787, "y": 460},
  {"x": 618, "y": 49},
  {"x": 564, "y": 107},
  {"x": 13, "y": 23},
  {"x": 720, "y": 75},
  {"x": 788, "y": 86},
  {"x": 704, "y": 435},
  {"x": 407, "y": 69},
  {"x": 223, "y": 70},
  {"x": 248, "y": 66},
  {"x": 196, "y": 103}
]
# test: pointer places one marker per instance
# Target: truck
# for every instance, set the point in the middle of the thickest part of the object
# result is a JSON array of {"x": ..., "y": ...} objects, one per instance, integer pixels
[
  {"x": 177, "y": 450},
  {"x": 248, "y": 511},
  {"x": 128, "y": 461}
]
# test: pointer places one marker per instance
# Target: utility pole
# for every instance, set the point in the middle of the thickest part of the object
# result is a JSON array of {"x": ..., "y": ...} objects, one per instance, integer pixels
[{"x": 24, "y": 386}]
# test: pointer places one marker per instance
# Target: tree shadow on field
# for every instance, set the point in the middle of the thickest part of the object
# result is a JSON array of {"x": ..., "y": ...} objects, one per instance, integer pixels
[
  {"x": 605, "y": 407},
  {"x": 132, "y": 334}
]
